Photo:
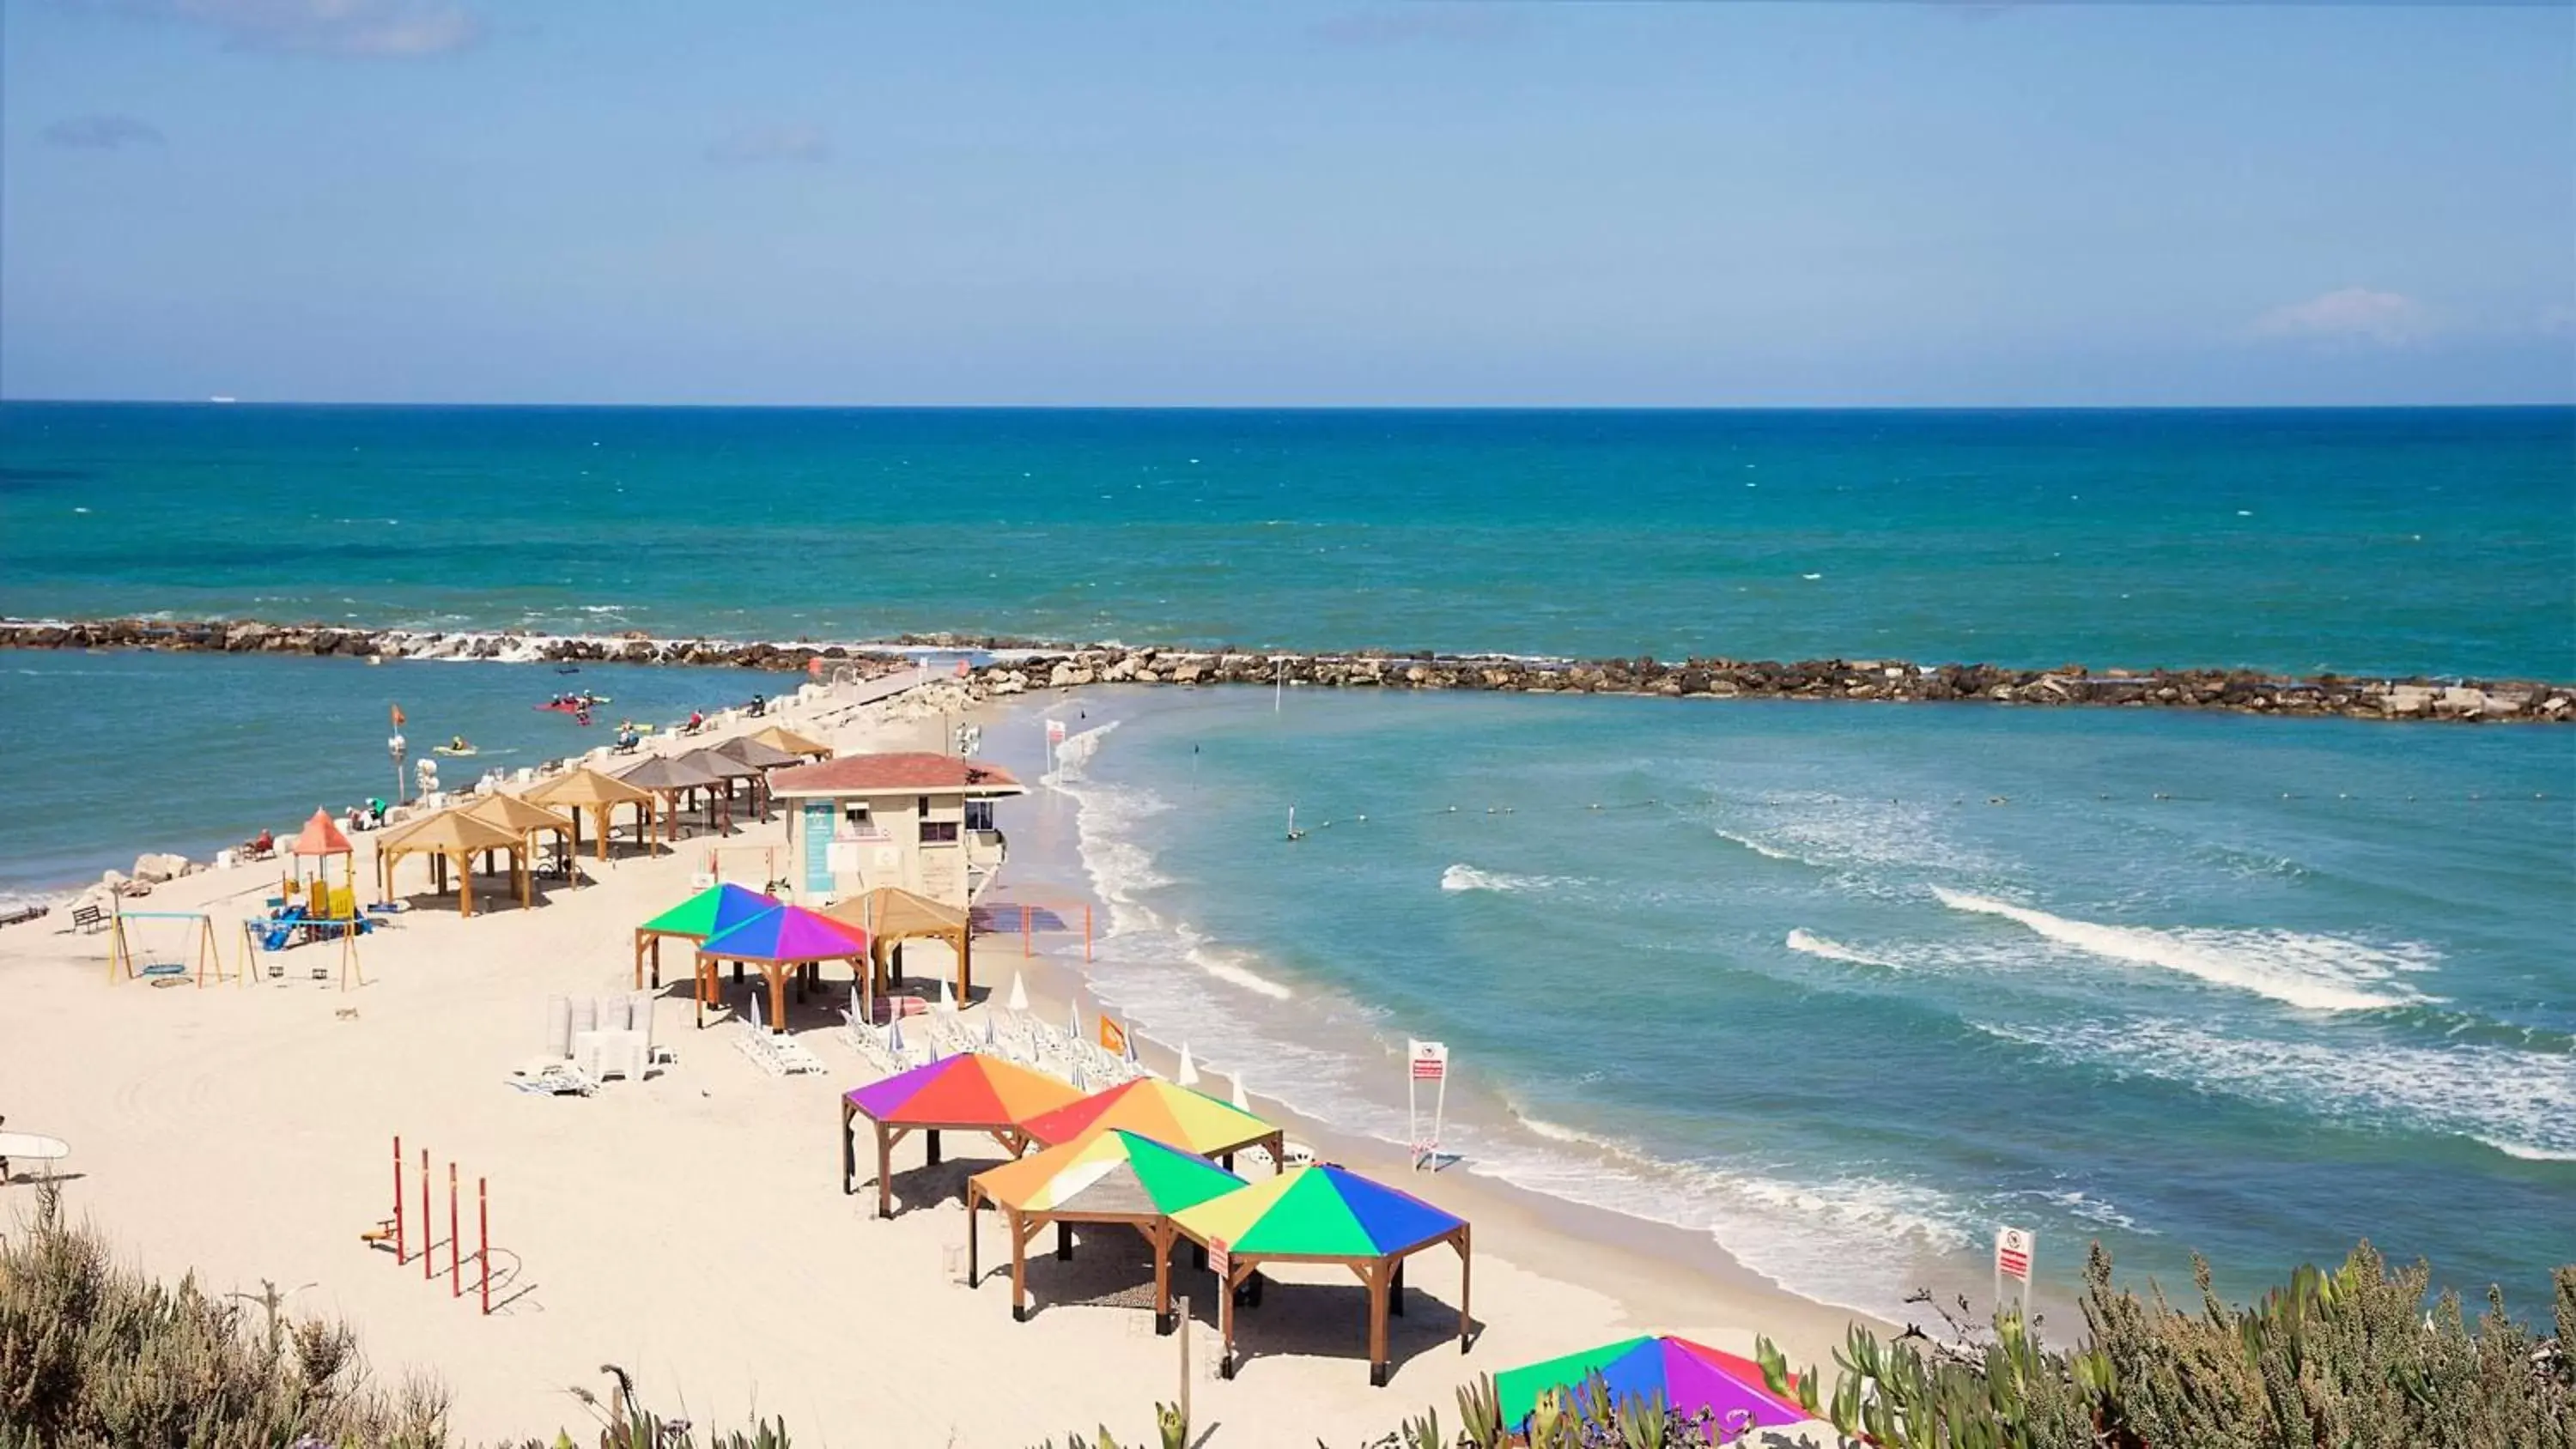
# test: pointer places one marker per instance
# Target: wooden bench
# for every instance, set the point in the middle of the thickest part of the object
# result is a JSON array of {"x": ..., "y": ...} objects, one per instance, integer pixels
[{"x": 88, "y": 918}]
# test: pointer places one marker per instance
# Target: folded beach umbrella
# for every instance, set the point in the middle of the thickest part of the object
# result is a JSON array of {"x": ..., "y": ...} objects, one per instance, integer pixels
[
  {"x": 1173, "y": 1115},
  {"x": 1690, "y": 1377}
]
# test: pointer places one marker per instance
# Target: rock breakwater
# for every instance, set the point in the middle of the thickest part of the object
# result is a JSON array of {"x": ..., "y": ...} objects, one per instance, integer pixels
[{"x": 1015, "y": 666}]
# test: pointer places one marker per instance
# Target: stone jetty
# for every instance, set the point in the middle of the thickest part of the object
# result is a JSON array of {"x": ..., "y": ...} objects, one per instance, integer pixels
[{"x": 1023, "y": 665}]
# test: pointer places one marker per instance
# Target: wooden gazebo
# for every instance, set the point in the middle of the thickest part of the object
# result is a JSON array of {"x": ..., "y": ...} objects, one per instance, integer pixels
[
  {"x": 1104, "y": 1176},
  {"x": 588, "y": 790},
  {"x": 779, "y": 737},
  {"x": 789, "y": 940},
  {"x": 968, "y": 1092},
  {"x": 528, "y": 822},
  {"x": 671, "y": 778},
  {"x": 452, "y": 838},
  {"x": 891, "y": 915},
  {"x": 762, "y": 757},
  {"x": 727, "y": 770},
  {"x": 1325, "y": 1214}
]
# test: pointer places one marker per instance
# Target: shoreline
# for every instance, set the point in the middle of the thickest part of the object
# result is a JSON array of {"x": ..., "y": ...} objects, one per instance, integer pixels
[
  {"x": 1657, "y": 1260},
  {"x": 1009, "y": 665},
  {"x": 758, "y": 1321}
]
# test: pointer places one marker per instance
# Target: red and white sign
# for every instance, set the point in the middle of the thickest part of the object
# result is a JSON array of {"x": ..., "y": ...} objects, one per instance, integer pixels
[
  {"x": 2012, "y": 1253},
  {"x": 1430, "y": 1061},
  {"x": 1219, "y": 1257},
  {"x": 1055, "y": 731}
]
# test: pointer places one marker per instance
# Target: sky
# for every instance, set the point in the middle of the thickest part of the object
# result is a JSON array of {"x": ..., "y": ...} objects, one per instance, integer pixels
[{"x": 1443, "y": 203}]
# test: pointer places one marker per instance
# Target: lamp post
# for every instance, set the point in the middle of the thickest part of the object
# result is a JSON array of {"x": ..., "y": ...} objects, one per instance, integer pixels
[{"x": 395, "y": 747}]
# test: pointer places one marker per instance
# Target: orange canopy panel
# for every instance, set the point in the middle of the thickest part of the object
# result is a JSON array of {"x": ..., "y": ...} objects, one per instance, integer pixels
[{"x": 321, "y": 837}]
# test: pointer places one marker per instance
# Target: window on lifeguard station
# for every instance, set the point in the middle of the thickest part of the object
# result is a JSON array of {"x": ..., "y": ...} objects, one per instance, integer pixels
[
  {"x": 979, "y": 814},
  {"x": 939, "y": 832}
]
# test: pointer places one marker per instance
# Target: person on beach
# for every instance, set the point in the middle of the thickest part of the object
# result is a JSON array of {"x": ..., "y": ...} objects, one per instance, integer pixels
[{"x": 697, "y": 720}]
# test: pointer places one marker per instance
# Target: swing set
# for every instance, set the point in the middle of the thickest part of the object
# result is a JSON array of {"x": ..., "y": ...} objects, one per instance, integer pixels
[{"x": 166, "y": 953}]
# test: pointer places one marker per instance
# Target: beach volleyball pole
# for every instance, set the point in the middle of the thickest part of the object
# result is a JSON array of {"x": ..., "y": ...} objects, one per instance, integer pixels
[
  {"x": 455, "y": 1268},
  {"x": 483, "y": 1238},
  {"x": 399, "y": 1258}
]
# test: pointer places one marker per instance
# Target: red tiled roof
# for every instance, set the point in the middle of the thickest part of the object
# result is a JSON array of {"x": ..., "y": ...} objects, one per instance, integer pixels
[{"x": 893, "y": 774}]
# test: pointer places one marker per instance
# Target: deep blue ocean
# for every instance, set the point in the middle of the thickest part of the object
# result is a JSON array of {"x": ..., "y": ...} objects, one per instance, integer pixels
[{"x": 1843, "y": 985}]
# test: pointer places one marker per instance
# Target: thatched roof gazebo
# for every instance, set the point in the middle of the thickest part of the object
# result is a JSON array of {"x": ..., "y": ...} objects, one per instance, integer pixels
[
  {"x": 1104, "y": 1176},
  {"x": 891, "y": 914},
  {"x": 454, "y": 838},
  {"x": 528, "y": 822},
  {"x": 779, "y": 737},
  {"x": 671, "y": 777},
  {"x": 587, "y": 789}
]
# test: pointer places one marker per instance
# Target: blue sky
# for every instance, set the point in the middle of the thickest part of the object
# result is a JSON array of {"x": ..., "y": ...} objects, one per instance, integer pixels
[{"x": 1715, "y": 204}]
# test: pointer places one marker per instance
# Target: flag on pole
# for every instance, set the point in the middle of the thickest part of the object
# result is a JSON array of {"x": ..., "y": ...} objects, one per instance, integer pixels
[
  {"x": 1113, "y": 1038},
  {"x": 398, "y": 717},
  {"x": 1188, "y": 1074}
]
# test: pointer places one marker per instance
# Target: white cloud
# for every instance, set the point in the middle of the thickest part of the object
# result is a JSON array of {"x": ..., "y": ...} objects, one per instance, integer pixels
[
  {"x": 390, "y": 28},
  {"x": 103, "y": 133},
  {"x": 795, "y": 141},
  {"x": 2351, "y": 314}
]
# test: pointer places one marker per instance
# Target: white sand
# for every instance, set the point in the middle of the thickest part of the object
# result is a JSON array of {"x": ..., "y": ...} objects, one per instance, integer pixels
[{"x": 692, "y": 1227}]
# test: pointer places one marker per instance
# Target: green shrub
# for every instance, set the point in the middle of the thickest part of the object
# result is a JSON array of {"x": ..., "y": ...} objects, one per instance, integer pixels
[{"x": 93, "y": 1353}]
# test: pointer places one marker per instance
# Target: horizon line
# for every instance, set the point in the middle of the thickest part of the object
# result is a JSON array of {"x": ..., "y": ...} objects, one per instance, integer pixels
[{"x": 2562, "y": 404}]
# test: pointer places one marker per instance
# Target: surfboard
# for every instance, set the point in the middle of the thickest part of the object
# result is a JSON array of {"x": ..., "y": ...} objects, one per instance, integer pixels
[{"x": 33, "y": 1147}]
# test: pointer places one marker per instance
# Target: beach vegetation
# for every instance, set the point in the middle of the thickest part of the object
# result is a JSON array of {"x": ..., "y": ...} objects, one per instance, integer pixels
[
  {"x": 2347, "y": 1357},
  {"x": 95, "y": 1353}
]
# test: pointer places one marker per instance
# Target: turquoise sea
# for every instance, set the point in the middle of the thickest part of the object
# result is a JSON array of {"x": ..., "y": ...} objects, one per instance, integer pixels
[{"x": 1868, "y": 980}]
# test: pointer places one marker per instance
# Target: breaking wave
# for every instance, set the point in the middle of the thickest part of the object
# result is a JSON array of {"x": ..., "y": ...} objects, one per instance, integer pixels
[
  {"x": 1468, "y": 878},
  {"x": 2313, "y": 973},
  {"x": 1803, "y": 940}
]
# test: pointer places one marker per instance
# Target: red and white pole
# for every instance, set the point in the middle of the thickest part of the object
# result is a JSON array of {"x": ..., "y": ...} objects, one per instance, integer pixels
[
  {"x": 425, "y": 1220},
  {"x": 455, "y": 1277}
]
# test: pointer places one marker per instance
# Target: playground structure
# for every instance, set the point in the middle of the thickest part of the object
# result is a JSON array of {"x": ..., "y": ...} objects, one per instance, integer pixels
[
  {"x": 289, "y": 926},
  {"x": 166, "y": 952},
  {"x": 407, "y": 1235},
  {"x": 321, "y": 842}
]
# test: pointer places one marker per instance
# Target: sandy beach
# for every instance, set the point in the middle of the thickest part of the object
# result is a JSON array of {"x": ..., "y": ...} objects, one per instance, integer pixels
[{"x": 691, "y": 1227}]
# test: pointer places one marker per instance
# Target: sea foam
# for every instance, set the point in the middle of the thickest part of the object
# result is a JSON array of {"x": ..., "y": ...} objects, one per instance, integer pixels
[{"x": 2313, "y": 973}]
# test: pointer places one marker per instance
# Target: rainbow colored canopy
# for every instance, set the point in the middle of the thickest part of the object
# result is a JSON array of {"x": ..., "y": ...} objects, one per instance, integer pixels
[
  {"x": 1108, "y": 1172},
  {"x": 1690, "y": 1376},
  {"x": 1318, "y": 1212},
  {"x": 788, "y": 933},
  {"x": 711, "y": 912},
  {"x": 1159, "y": 1110},
  {"x": 966, "y": 1090}
]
